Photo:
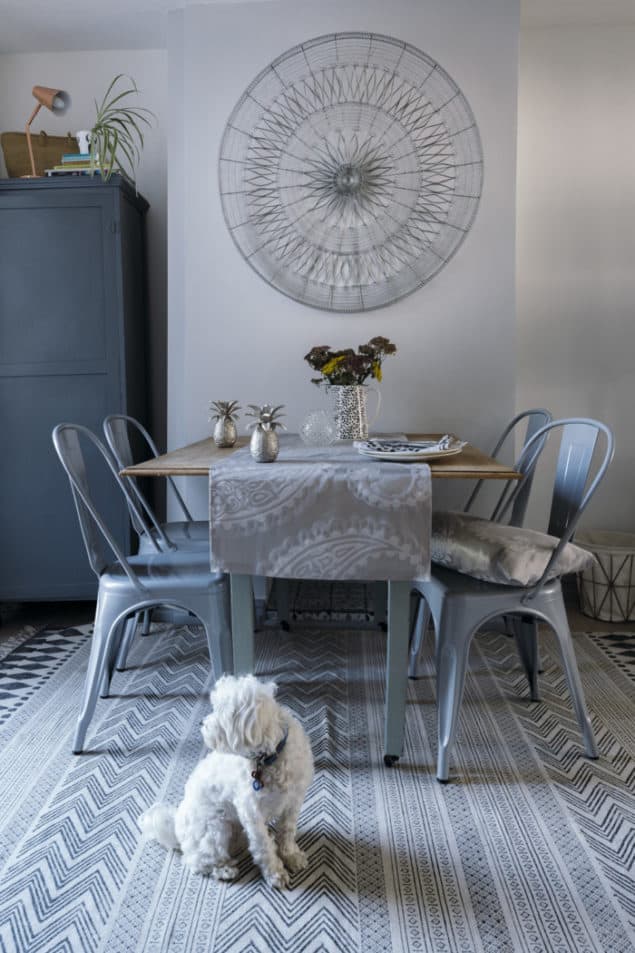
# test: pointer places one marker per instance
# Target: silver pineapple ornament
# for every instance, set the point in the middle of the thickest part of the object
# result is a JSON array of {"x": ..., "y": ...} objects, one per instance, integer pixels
[
  {"x": 225, "y": 418},
  {"x": 264, "y": 444}
]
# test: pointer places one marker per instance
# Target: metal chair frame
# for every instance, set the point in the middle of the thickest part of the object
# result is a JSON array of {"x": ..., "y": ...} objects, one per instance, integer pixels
[
  {"x": 187, "y": 534},
  {"x": 460, "y": 605},
  {"x": 133, "y": 584},
  {"x": 536, "y": 418}
]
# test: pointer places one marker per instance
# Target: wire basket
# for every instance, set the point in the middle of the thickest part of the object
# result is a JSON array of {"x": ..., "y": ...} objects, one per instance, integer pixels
[{"x": 607, "y": 587}]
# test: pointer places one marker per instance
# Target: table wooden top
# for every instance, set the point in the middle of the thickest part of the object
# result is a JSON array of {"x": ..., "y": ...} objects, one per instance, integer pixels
[{"x": 196, "y": 459}]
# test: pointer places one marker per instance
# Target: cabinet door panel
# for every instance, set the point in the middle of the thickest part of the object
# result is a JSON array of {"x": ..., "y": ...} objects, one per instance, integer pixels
[
  {"x": 62, "y": 359},
  {"x": 37, "y": 515},
  {"x": 52, "y": 296}
]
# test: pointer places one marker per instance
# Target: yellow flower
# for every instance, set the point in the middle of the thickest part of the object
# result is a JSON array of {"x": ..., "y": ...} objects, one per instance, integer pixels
[
  {"x": 377, "y": 370},
  {"x": 331, "y": 365}
]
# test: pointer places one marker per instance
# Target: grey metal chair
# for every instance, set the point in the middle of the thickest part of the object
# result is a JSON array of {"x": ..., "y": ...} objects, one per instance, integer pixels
[
  {"x": 536, "y": 418},
  {"x": 132, "y": 584},
  {"x": 186, "y": 534},
  {"x": 461, "y": 604}
]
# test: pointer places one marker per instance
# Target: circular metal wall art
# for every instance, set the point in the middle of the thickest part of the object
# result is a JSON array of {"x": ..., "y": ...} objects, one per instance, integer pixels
[{"x": 350, "y": 171}]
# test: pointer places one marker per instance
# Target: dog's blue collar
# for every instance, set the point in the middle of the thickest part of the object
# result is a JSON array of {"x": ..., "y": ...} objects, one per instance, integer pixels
[{"x": 264, "y": 760}]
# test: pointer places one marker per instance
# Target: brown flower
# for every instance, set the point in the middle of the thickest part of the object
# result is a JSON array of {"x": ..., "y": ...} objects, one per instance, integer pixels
[
  {"x": 346, "y": 366},
  {"x": 318, "y": 356}
]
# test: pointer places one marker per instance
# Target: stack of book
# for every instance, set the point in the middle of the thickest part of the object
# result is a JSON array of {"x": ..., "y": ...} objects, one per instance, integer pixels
[{"x": 76, "y": 163}]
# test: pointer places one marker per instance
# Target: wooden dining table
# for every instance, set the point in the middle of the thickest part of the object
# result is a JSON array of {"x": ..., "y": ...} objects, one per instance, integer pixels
[{"x": 196, "y": 459}]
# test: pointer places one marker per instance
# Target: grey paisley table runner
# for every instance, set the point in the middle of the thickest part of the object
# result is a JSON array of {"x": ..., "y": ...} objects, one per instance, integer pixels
[{"x": 320, "y": 513}]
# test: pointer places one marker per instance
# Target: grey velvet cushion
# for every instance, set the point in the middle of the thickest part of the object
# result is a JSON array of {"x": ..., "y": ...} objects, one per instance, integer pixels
[{"x": 505, "y": 555}]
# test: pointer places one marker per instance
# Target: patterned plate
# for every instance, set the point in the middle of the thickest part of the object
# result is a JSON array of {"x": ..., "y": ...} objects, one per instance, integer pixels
[{"x": 404, "y": 450}]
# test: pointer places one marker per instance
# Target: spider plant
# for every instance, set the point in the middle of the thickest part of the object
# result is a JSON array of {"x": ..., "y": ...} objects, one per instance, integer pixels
[{"x": 117, "y": 136}]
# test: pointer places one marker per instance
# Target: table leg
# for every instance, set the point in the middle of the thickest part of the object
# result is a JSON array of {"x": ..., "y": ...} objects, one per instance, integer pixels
[
  {"x": 379, "y": 596},
  {"x": 396, "y": 668},
  {"x": 242, "y": 613}
]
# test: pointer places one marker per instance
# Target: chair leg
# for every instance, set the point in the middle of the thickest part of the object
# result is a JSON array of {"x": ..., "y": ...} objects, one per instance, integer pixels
[
  {"x": 213, "y": 610},
  {"x": 418, "y": 628},
  {"x": 110, "y": 661},
  {"x": 560, "y": 624},
  {"x": 525, "y": 629},
  {"x": 104, "y": 634},
  {"x": 130, "y": 627},
  {"x": 283, "y": 603},
  {"x": 145, "y": 623},
  {"x": 396, "y": 669},
  {"x": 452, "y": 657},
  {"x": 121, "y": 647}
]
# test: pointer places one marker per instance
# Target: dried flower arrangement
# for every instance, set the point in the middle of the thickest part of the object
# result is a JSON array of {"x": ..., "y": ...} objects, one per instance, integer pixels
[{"x": 349, "y": 366}]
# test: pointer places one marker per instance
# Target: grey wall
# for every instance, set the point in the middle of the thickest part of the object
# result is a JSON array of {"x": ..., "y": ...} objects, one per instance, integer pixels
[
  {"x": 576, "y": 240},
  {"x": 86, "y": 77},
  {"x": 232, "y": 336}
]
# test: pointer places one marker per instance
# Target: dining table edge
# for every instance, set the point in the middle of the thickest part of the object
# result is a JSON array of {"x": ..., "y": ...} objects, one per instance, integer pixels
[{"x": 450, "y": 469}]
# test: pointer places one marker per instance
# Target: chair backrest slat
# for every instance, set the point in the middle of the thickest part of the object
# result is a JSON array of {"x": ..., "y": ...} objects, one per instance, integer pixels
[
  {"x": 117, "y": 429},
  {"x": 575, "y": 481},
  {"x": 536, "y": 418},
  {"x": 95, "y": 532},
  {"x": 572, "y": 471},
  {"x": 116, "y": 432},
  {"x": 117, "y": 438}
]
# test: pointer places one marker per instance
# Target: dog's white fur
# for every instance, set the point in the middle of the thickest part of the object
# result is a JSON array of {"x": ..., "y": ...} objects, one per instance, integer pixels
[{"x": 219, "y": 797}]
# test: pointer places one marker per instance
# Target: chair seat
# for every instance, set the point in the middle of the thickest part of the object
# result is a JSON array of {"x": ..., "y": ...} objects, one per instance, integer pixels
[
  {"x": 180, "y": 569},
  {"x": 497, "y": 553},
  {"x": 191, "y": 535},
  {"x": 451, "y": 593},
  {"x": 452, "y": 581}
]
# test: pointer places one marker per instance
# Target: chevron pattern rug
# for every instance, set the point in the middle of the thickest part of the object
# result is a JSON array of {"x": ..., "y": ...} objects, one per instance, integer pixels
[
  {"x": 325, "y": 603},
  {"x": 530, "y": 849}
]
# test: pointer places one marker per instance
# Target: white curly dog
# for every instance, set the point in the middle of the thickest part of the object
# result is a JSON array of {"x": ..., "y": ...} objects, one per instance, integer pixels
[{"x": 259, "y": 770}]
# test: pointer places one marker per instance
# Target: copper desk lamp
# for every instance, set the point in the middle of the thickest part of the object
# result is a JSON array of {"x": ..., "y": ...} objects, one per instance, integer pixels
[{"x": 57, "y": 101}]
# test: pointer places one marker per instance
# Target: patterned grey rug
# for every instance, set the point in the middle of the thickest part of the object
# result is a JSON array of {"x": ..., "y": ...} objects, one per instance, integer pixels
[
  {"x": 329, "y": 603},
  {"x": 531, "y": 848}
]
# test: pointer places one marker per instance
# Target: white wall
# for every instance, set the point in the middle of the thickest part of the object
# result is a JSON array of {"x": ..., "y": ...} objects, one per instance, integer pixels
[
  {"x": 86, "y": 76},
  {"x": 233, "y": 336},
  {"x": 456, "y": 365},
  {"x": 576, "y": 240}
]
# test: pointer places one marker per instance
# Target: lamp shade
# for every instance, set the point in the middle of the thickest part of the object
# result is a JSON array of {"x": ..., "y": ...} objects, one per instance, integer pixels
[{"x": 57, "y": 100}]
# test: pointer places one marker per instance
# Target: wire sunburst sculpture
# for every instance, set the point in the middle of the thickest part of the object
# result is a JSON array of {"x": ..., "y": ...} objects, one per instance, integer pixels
[{"x": 350, "y": 171}]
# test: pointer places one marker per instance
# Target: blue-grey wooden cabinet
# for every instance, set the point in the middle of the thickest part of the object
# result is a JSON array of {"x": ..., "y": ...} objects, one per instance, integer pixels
[{"x": 72, "y": 348}]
